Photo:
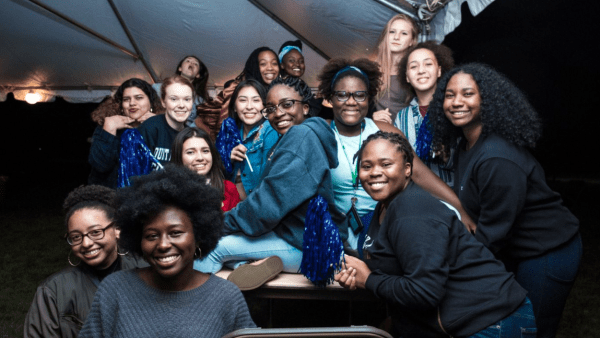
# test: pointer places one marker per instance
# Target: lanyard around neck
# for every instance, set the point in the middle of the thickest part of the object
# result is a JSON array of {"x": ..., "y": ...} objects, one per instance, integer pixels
[{"x": 353, "y": 169}]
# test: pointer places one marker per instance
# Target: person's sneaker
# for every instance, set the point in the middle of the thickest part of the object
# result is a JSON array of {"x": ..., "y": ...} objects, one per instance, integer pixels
[{"x": 253, "y": 275}]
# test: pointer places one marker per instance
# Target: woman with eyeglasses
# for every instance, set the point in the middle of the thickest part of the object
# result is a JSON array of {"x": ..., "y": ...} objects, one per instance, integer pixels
[
  {"x": 170, "y": 217},
  {"x": 270, "y": 222},
  {"x": 62, "y": 302},
  {"x": 350, "y": 86}
]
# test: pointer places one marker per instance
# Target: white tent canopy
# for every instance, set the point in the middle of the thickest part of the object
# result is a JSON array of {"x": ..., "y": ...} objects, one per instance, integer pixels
[{"x": 83, "y": 49}]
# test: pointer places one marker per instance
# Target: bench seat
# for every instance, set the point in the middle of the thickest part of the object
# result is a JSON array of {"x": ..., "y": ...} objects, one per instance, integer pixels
[{"x": 296, "y": 286}]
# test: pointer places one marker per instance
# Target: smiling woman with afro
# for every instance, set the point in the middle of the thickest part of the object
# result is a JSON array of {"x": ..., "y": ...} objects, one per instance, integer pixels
[
  {"x": 175, "y": 186},
  {"x": 170, "y": 216}
]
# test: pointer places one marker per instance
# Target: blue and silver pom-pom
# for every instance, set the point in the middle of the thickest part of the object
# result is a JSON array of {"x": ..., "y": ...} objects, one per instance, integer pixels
[
  {"x": 135, "y": 158},
  {"x": 227, "y": 139},
  {"x": 322, "y": 247},
  {"x": 424, "y": 138}
]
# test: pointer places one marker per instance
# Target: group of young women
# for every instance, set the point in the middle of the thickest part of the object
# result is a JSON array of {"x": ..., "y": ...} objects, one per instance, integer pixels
[{"x": 441, "y": 209}]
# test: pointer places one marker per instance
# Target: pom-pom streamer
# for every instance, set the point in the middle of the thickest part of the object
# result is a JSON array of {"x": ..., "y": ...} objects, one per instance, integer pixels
[
  {"x": 424, "y": 137},
  {"x": 227, "y": 139},
  {"x": 135, "y": 158},
  {"x": 322, "y": 247}
]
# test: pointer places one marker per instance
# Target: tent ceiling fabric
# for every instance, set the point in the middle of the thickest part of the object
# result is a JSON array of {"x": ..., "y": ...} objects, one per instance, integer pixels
[{"x": 43, "y": 51}]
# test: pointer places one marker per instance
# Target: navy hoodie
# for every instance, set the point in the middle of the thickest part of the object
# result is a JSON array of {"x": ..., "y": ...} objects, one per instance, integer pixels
[{"x": 297, "y": 171}]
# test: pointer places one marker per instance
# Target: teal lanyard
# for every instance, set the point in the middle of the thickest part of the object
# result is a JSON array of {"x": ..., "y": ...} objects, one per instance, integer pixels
[{"x": 353, "y": 169}]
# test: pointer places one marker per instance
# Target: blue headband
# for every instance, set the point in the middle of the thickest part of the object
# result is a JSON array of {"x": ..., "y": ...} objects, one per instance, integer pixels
[
  {"x": 286, "y": 50},
  {"x": 350, "y": 68}
]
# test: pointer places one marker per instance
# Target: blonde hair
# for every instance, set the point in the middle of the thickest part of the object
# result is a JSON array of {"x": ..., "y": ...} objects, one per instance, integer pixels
[{"x": 384, "y": 57}]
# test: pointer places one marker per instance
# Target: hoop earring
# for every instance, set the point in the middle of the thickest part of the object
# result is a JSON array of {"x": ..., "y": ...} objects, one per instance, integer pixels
[
  {"x": 121, "y": 253},
  {"x": 198, "y": 252},
  {"x": 69, "y": 259}
]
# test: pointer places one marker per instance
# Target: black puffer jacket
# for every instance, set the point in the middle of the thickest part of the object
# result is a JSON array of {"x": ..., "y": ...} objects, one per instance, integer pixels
[{"x": 62, "y": 302}]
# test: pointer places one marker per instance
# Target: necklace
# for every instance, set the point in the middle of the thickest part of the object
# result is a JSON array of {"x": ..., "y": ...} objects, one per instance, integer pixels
[
  {"x": 353, "y": 169},
  {"x": 272, "y": 150}
]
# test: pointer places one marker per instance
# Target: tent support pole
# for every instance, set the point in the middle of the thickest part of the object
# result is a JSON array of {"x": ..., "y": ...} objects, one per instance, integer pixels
[
  {"x": 85, "y": 28},
  {"x": 50, "y": 88},
  {"x": 397, "y": 8},
  {"x": 289, "y": 29},
  {"x": 132, "y": 41}
]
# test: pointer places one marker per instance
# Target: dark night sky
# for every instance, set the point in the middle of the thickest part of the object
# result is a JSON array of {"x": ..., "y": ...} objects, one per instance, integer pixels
[{"x": 546, "y": 47}]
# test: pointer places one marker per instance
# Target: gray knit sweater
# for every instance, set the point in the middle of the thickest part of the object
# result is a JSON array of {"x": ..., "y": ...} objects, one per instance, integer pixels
[{"x": 125, "y": 306}]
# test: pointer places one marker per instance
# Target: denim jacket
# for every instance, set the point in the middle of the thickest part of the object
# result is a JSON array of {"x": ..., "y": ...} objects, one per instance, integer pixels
[{"x": 258, "y": 142}]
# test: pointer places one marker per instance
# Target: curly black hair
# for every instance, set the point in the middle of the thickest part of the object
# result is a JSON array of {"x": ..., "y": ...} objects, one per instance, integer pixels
[
  {"x": 298, "y": 85},
  {"x": 370, "y": 68},
  {"x": 175, "y": 186},
  {"x": 91, "y": 196},
  {"x": 402, "y": 146},
  {"x": 504, "y": 110},
  {"x": 443, "y": 57},
  {"x": 252, "y": 67}
]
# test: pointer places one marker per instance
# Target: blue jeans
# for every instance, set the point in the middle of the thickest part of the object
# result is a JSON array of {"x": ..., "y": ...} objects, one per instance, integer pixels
[
  {"x": 519, "y": 324},
  {"x": 548, "y": 280},
  {"x": 235, "y": 250}
]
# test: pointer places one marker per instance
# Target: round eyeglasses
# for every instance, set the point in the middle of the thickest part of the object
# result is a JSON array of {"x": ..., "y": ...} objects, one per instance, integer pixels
[
  {"x": 76, "y": 237},
  {"x": 286, "y": 106},
  {"x": 343, "y": 96}
]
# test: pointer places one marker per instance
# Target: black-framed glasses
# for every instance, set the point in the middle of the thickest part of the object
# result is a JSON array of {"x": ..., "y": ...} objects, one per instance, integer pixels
[
  {"x": 286, "y": 106},
  {"x": 343, "y": 96},
  {"x": 76, "y": 237}
]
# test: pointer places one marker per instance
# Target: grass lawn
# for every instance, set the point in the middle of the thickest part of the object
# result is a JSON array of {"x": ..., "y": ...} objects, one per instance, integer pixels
[{"x": 32, "y": 225}]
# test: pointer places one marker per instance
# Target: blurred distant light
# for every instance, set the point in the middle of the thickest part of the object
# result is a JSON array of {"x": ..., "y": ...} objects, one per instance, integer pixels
[{"x": 32, "y": 98}]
